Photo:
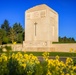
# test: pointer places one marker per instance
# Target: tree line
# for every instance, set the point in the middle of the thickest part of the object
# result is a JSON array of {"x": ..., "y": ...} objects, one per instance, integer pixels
[
  {"x": 11, "y": 34},
  {"x": 15, "y": 33},
  {"x": 66, "y": 40}
]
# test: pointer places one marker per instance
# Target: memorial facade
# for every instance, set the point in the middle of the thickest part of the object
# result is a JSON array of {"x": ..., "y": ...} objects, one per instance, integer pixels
[{"x": 41, "y": 27}]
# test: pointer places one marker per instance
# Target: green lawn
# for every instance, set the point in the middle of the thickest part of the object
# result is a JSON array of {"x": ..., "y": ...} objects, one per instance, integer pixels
[{"x": 63, "y": 54}]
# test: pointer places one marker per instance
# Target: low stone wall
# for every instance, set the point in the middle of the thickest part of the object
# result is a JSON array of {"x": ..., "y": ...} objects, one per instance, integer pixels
[
  {"x": 15, "y": 47},
  {"x": 64, "y": 47},
  {"x": 52, "y": 48},
  {"x": 39, "y": 49}
]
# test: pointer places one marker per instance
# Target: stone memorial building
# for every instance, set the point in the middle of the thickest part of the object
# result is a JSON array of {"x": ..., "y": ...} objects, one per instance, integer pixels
[{"x": 41, "y": 28}]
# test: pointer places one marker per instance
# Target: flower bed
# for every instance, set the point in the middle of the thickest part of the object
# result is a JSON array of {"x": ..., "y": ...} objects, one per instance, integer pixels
[{"x": 24, "y": 64}]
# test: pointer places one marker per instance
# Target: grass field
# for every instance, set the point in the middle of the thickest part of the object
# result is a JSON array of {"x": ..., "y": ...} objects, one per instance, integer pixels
[{"x": 63, "y": 54}]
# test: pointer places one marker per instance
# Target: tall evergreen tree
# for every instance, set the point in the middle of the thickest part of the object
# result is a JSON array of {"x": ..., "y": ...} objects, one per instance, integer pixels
[
  {"x": 5, "y": 26},
  {"x": 2, "y": 35},
  {"x": 18, "y": 28},
  {"x": 19, "y": 32}
]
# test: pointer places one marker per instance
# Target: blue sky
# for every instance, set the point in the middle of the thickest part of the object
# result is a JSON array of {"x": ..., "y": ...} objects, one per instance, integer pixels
[{"x": 13, "y": 11}]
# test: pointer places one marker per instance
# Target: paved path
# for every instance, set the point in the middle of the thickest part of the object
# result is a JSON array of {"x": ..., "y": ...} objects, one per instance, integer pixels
[{"x": 53, "y": 57}]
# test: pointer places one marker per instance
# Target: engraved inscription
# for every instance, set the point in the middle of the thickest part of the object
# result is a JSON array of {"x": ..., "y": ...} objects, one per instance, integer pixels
[
  {"x": 35, "y": 15},
  {"x": 43, "y": 13},
  {"x": 31, "y": 44}
]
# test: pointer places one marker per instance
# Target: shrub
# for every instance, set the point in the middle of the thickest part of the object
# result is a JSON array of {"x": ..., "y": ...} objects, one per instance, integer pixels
[
  {"x": 74, "y": 60},
  {"x": 5, "y": 40},
  {"x": 3, "y": 65},
  {"x": 1, "y": 49},
  {"x": 24, "y": 64},
  {"x": 8, "y": 48}
]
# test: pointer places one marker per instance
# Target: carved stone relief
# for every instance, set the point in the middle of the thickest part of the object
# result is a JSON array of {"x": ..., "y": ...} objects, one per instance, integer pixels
[
  {"x": 43, "y": 44},
  {"x": 43, "y": 13},
  {"x": 36, "y": 14}
]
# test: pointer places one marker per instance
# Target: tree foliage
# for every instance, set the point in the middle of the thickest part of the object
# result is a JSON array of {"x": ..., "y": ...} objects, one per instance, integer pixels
[
  {"x": 5, "y": 40},
  {"x": 18, "y": 28},
  {"x": 20, "y": 38},
  {"x": 10, "y": 34},
  {"x": 5, "y": 26},
  {"x": 2, "y": 34},
  {"x": 66, "y": 40}
]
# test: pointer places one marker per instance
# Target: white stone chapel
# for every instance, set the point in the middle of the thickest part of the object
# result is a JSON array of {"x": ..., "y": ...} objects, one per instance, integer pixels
[{"x": 41, "y": 28}]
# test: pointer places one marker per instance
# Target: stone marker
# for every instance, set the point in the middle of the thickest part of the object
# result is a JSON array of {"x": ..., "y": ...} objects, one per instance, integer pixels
[{"x": 41, "y": 28}]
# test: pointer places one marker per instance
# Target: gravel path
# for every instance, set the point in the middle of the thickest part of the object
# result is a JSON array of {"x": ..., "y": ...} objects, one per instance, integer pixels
[{"x": 53, "y": 57}]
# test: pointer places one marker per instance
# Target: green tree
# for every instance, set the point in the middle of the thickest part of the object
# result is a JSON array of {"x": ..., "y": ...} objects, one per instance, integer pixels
[
  {"x": 66, "y": 40},
  {"x": 12, "y": 35},
  {"x": 20, "y": 38},
  {"x": 2, "y": 35},
  {"x": 19, "y": 32},
  {"x": 18, "y": 28},
  {"x": 5, "y": 40},
  {"x": 60, "y": 39},
  {"x": 5, "y": 26},
  {"x": 23, "y": 35},
  {"x": 73, "y": 40}
]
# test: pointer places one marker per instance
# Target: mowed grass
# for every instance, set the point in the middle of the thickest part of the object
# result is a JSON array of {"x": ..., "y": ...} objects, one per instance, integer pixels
[{"x": 62, "y": 54}]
